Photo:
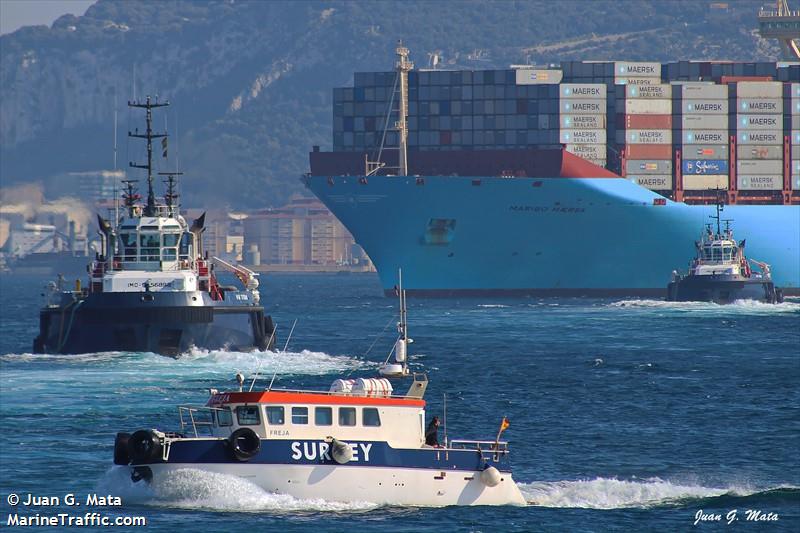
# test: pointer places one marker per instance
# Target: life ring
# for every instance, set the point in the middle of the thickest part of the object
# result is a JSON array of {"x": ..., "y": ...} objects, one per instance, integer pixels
[
  {"x": 244, "y": 444},
  {"x": 144, "y": 446},
  {"x": 121, "y": 456}
]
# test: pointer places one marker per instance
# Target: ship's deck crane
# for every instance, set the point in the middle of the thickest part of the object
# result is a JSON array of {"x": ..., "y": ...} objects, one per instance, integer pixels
[{"x": 782, "y": 24}]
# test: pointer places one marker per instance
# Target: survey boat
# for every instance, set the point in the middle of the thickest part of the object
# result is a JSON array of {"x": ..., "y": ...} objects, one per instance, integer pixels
[
  {"x": 721, "y": 273},
  {"x": 357, "y": 441},
  {"x": 151, "y": 287}
]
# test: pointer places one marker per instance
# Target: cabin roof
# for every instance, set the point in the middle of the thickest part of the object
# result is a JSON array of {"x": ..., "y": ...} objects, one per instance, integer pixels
[{"x": 311, "y": 397}]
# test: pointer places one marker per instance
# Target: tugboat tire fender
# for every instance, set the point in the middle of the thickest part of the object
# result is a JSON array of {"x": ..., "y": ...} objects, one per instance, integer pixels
[
  {"x": 121, "y": 456},
  {"x": 139, "y": 473},
  {"x": 144, "y": 446},
  {"x": 244, "y": 444}
]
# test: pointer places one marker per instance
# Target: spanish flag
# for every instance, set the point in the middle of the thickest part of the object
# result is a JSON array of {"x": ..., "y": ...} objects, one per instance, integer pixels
[{"x": 504, "y": 424}]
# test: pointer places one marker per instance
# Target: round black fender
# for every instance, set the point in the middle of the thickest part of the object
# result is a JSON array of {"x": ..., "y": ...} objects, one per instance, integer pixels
[
  {"x": 121, "y": 456},
  {"x": 144, "y": 446},
  {"x": 244, "y": 444},
  {"x": 139, "y": 473}
]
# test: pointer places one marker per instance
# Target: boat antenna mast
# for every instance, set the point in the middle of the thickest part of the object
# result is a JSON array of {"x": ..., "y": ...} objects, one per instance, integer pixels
[
  {"x": 171, "y": 197},
  {"x": 403, "y": 67},
  {"x": 130, "y": 196},
  {"x": 400, "y": 367},
  {"x": 149, "y": 135}
]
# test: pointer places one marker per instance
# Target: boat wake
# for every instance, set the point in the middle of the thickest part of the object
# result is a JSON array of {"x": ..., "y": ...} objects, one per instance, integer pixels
[
  {"x": 739, "y": 306},
  {"x": 612, "y": 493},
  {"x": 195, "y": 489}
]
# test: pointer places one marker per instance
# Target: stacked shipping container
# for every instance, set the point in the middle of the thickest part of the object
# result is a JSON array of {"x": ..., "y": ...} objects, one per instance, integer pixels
[
  {"x": 703, "y": 116},
  {"x": 759, "y": 127},
  {"x": 582, "y": 116}
]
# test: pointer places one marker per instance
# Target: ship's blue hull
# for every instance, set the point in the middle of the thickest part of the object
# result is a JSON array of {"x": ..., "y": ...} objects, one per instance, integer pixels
[{"x": 582, "y": 236}]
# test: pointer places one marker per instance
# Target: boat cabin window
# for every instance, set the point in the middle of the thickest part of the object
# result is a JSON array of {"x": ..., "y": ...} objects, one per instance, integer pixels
[
  {"x": 323, "y": 416},
  {"x": 370, "y": 417},
  {"x": 275, "y": 415},
  {"x": 247, "y": 415},
  {"x": 299, "y": 415},
  {"x": 186, "y": 240},
  {"x": 150, "y": 244},
  {"x": 347, "y": 416},
  {"x": 170, "y": 243},
  {"x": 128, "y": 243},
  {"x": 222, "y": 417}
]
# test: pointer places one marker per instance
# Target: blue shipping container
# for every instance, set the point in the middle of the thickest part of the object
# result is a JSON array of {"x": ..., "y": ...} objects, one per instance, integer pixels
[{"x": 705, "y": 166}]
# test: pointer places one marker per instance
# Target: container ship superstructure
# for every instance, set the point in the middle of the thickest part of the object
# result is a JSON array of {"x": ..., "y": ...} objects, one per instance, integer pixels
[{"x": 589, "y": 178}]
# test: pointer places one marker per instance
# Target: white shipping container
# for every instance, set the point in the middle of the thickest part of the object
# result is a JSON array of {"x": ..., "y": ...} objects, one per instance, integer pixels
[
  {"x": 637, "y": 82},
  {"x": 704, "y": 122},
  {"x": 648, "y": 107},
  {"x": 530, "y": 76},
  {"x": 648, "y": 137},
  {"x": 705, "y": 137},
  {"x": 583, "y": 121},
  {"x": 760, "y": 166},
  {"x": 759, "y": 89},
  {"x": 588, "y": 151},
  {"x": 795, "y": 152},
  {"x": 598, "y": 162},
  {"x": 760, "y": 137},
  {"x": 796, "y": 122},
  {"x": 703, "y": 91},
  {"x": 796, "y": 183},
  {"x": 759, "y": 183},
  {"x": 693, "y": 182},
  {"x": 658, "y": 90},
  {"x": 583, "y": 136},
  {"x": 755, "y": 151},
  {"x": 705, "y": 107},
  {"x": 759, "y": 105},
  {"x": 586, "y": 107},
  {"x": 796, "y": 107},
  {"x": 583, "y": 90},
  {"x": 639, "y": 69},
  {"x": 654, "y": 182},
  {"x": 655, "y": 166},
  {"x": 705, "y": 151},
  {"x": 796, "y": 90},
  {"x": 795, "y": 167},
  {"x": 795, "y": 138},
  {"x": 760, "y": 122}
]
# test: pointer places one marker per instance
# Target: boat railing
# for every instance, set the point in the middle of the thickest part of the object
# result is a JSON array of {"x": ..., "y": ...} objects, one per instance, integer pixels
[
  {"x": 358, "y": 394},
  {"x": 484, "y": 447},
  {"x": 188, "y": 415}
]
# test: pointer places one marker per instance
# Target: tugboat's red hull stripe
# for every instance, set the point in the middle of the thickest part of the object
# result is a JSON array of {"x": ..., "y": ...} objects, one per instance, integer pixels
[{"x": 309, "y": 398}]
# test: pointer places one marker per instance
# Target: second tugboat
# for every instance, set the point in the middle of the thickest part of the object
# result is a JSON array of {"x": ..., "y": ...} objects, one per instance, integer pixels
[
  {"x": 721, "y": 273},
  {"x": 151, "y": 288},
  {"x": 355, "y": 442}
]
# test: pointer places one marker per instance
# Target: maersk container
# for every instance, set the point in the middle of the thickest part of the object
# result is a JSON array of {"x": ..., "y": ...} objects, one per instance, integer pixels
[
  {"x": 796, "y": 182},
  {"x": 746, "y": 182},
  {"x": 762, "y": 106},
  {"x": 648, "y": 151},
  {"x": 529, "y": 76},
  {"x": 760, "y": 122},
  {"x": 705, "y": 107},
  {"x": 586, "y": 107},
  {"x": 705, "y": 151},
  {"x": 701, "y": 91},
  {"x": 654, "y": 182},
  {"x": 637, "y": 82},
  {"x": 583, "y": 121},
  {"x": 583, "y": 90},
  {"x": 658, "y": 90},
  {"x": 704, "y": 166},
  {"x": 648, "y": 136},
  {"x": 583, "y": 136},
  {"x": 795, "y": 152},
  {"x": 760, "y": 137},
  {"x": 588, "y": 151},
  {"x": 704, "y": 122},
  {"x": 649, "y": 166},
  {"x": 647, "y": 122},
  {"x": 639, "y": 69},
  {"x": 693, "y": 182},
  {"x": 751, "y": 151},
  {"x": 759, "y": 89},
  {"x": 705, "y": 137},
  {"x": 795, "y": 122},
  {"x": 635, "y": 106},
  {"x": 760, "y": 166}
]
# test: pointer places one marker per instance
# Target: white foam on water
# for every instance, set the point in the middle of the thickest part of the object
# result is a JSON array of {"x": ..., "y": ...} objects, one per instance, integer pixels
[
  {"x": 197, "y": 489},
  {"x": 613, "y": 493},
  {"x": 493, "y": 306},
  {"x": 737, "y": 307}
]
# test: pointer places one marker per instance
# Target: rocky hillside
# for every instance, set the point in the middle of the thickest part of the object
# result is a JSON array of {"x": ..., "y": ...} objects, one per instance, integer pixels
[{"x": 250, "y": 81}]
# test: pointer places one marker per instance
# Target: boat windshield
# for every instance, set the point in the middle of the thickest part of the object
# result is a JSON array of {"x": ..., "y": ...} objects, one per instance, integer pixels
[{"x": 719, "y": 253}]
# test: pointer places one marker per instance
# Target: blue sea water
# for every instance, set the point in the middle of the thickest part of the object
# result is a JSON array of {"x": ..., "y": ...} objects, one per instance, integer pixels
[{"x": 626, "y": 414}]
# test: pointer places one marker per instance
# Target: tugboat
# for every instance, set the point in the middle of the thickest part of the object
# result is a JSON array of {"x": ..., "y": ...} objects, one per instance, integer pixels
[
  {"x": 721, "y": 273},
  {"x": 151, "y": 287},
  {"x": 357, "y": 441}
]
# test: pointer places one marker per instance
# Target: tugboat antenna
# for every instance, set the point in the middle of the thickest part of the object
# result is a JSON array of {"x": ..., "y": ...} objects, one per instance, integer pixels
[{"x": 150, "y": 207}]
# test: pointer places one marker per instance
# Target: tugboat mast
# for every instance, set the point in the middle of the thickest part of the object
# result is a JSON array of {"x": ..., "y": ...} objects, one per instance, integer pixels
[{"x": 150, "y": 207}]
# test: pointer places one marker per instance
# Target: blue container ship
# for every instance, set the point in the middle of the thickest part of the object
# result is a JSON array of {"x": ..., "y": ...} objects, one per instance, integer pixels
[{"x": 598, "y": 204}]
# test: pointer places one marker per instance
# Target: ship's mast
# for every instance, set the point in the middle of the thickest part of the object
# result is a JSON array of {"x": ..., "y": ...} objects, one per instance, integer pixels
[
  {"x": 171, "y": 196},
  {"x": 403, "y": 66},
  {"x": 150, "y": 207}
]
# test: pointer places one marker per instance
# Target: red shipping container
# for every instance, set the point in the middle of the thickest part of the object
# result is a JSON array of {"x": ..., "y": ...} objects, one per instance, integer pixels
[
  {"x": 734, "y": 79},
  {"x": 648, "y": 122},
  {"x": 648, "y": 151}
]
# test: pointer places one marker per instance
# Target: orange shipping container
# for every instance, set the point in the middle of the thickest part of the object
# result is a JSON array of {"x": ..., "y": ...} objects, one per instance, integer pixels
[
  {"x": 648, "y": 122},
  {"x": 648, "y": 151}
]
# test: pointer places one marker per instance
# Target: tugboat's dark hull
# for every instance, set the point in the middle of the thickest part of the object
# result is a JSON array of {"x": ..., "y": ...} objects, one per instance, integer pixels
[
  {"x": 723, "y": 289},
  {"x": 160, "y": 322}
]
